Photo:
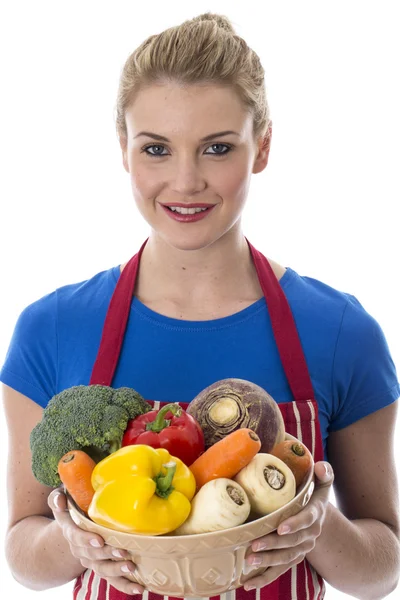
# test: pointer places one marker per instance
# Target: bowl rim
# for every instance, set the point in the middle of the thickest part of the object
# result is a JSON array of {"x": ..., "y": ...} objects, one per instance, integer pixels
[{"x": 306, "y": 483}]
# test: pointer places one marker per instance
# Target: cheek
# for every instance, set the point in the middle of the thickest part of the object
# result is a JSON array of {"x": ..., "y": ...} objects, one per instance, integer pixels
[
  {"x": 144, "y": 182},
  {"x": 235, "y": 182}
]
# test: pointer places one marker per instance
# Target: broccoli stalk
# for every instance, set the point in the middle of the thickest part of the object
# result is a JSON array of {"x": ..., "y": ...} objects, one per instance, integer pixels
[{"x": 92, "y": 418}]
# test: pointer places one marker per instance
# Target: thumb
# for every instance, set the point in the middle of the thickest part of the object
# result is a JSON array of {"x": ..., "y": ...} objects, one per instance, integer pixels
[
  {"x": 57, "y": 500},
  {"x": 324, "y": 474}
]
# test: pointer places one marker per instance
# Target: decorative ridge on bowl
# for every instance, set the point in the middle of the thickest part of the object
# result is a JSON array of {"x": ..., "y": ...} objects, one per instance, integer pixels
[{"x": 202, "y": 564}]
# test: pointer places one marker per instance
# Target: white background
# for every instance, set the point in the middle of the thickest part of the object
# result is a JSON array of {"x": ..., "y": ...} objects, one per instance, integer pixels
[{"x": 325, "y": 205}]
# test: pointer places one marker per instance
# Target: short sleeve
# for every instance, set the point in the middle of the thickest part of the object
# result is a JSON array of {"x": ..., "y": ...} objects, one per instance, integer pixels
[
  {"x": 364, "y": 375},
  {"x": 30, "y": 365}
]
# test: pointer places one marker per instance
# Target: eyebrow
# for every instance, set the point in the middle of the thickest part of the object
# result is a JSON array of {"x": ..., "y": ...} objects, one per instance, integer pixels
[{"x": 207, "y": 138}]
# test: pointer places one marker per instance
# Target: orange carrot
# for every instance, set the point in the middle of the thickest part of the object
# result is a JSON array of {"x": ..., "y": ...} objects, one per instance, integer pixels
[
  {"x": 75, "y": 471},
  {"x": 296, "y": 456},
  {"x": 226, "y": 457}
]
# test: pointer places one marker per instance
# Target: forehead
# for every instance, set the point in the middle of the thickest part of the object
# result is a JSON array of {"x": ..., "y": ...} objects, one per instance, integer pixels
[{"x": 198, "y": 109}]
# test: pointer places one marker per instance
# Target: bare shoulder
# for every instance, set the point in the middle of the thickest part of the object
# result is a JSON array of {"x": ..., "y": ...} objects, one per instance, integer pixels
[
  {"x": 26, "y": 496},
  {"x": 278, "y": 269},
  {"x": 363, "y": 459}
]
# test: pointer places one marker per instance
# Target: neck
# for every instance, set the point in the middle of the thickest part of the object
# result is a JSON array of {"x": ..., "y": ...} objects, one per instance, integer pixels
[{"x": 222, "y": 270}]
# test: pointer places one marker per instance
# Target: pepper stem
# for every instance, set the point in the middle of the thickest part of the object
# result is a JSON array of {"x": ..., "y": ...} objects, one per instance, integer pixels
[
  {"x": 164, "y": 482},
  {"x": 160, "y": 422}
]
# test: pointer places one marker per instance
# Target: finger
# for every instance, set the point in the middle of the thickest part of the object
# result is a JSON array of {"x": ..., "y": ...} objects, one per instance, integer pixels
[
  {"x": 324, "y": 473},
  {"x": 281, "y": 557},
  {"x": 109, "y": 568},
  {"x": 123, "y": 585},
  {"x": 105, "y": 553},
  {"x": 57, "y": 501},
  {"x": 274, "y": 541},
  {"x": 269, "y": 576},
  {"x": 304, "y": 519}
]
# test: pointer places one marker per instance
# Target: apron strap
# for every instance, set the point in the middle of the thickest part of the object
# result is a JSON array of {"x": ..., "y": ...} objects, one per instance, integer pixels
[
  {"x": 284, "y": 328},
  {"x": 115, "y": 323}
]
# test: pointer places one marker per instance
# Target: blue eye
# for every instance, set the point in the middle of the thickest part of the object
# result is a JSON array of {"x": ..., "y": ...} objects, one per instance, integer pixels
[
  {"x": 157, "y": 150},
  {"x": 228, "y": 149},
  {"x": 155, "y": 153}
]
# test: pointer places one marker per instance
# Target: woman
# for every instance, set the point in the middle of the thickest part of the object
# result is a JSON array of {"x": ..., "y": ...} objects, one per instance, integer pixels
[{"x": 193, "y": 124}]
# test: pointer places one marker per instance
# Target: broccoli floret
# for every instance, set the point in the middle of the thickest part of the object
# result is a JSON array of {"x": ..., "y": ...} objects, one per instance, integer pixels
[{"x": 92, "y": 418}]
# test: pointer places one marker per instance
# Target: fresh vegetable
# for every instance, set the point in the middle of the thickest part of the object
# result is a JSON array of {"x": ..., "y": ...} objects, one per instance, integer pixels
[
  {"x": 219, "y": 504},
  {"x": 169, "y": 428},
  {"x": 296, "y": 456},
  {"x": 227, "y": 457},
  {"x": 90, "y": 418},
  {"x": 141, "y": 490},
  {"x": 268, "y": 482},
  {"x": 232, "y": 404},
  {"x": 75, "y": 470}
]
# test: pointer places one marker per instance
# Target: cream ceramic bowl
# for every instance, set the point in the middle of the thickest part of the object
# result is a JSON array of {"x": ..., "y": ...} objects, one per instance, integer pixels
[{"x": 205, "y": 564}]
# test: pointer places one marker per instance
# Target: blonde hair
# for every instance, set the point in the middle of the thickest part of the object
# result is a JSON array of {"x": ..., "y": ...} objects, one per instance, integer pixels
[{"x": 202, "y": 50}]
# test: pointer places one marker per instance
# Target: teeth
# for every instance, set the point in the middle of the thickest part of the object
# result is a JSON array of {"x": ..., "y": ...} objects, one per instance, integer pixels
[{"x": 186, "y": 211}]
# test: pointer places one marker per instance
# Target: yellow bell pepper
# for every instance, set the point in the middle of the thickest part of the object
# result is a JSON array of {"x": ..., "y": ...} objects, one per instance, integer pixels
[{"x": 142, "y": 490}]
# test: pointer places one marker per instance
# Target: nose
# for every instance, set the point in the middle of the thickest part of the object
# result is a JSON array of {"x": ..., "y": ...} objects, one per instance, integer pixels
[{"x": 186, "y": 176}]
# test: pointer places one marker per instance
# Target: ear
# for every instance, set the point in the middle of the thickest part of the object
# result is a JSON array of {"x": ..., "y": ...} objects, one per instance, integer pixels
[
  {"x": 123, "y": 142},
  {"x": 264, "y": 145}
]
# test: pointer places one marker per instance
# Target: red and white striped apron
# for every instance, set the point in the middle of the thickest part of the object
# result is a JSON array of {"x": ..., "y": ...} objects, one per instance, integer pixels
[{"x": 301, "y": 582}]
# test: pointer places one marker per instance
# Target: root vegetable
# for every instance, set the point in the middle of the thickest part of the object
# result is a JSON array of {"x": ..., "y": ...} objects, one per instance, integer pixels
[
  {"x": 227, "y": 457},
  {"x": 231, "y": 404},
  {"x": 219, "y": 504},
  {"x": 296, "y": 456},
  {"x": 268, "y": 483},
  {"x": 75, "y": 469}
]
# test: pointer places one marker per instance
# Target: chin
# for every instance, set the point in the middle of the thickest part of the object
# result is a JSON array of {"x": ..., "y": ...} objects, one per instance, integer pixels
[{"x": 188, "y": 242}]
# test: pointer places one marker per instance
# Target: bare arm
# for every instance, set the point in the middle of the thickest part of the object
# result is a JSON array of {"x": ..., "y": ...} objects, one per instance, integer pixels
[
  {"x": 58, "y": 550},
  {"x": 46, "y": 561},
  {"x": 356, "y": 547},
  {"x": 358, "y": 551}
]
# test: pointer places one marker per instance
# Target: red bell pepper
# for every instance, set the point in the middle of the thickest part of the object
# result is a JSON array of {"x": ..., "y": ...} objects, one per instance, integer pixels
[{"x": 170, "y": 428}]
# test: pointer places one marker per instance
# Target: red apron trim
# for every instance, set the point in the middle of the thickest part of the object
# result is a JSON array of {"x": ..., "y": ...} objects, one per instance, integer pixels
[
  {"x": 283, "y": 325},
  {"x": 115, "y": 323},
  {"x": 300, "y": 416},
  {"x": 284, "y": 328}
]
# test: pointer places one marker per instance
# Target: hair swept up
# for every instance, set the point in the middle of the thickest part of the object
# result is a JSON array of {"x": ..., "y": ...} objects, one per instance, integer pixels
[{"x": 202, "y": 50}]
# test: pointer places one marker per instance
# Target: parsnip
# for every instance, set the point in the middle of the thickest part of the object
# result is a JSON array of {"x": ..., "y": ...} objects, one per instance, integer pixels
[
  {"x": 219, "y": 504},
  {"x": 268, "y": 483}
]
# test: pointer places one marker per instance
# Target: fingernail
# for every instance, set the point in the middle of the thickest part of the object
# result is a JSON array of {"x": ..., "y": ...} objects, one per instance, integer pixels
[
  {"x": 136, "y": 590},
  {"x": 117, "y": 554},
  {"x": 249, "y": 587},
  {"x": 259, "y": 547},
  {"x": 284, "y": 529},
  {"x": 255, "y": 560},
  {"x": 95, "y": 543},
  {"x": 126, "y": 569},
  {"x": 56, "y": 499},
  {"x": 328, "y": 470}
]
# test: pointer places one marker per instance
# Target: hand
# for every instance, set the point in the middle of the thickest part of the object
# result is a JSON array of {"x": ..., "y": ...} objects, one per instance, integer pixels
[
  {"x": 295, "y": 537},
  {"x": 106, "y": 561}
]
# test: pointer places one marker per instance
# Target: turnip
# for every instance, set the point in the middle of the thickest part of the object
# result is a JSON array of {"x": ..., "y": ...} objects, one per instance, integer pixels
[
  {"x": 219, "y": 504},
  {"x": 268, "y": 483},
  {"x": 231, "y": 404}
]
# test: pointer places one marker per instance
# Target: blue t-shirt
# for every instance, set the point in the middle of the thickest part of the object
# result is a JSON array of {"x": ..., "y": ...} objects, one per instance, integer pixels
[{"x": 55, "y": 343}]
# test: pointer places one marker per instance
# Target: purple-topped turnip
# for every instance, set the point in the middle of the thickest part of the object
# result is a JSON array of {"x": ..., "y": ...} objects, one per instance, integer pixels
[{"x": 231, "y": 404}]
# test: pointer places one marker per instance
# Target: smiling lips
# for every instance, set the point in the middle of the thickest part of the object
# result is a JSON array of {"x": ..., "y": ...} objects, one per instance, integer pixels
[{"x": 187, "y": 213}]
